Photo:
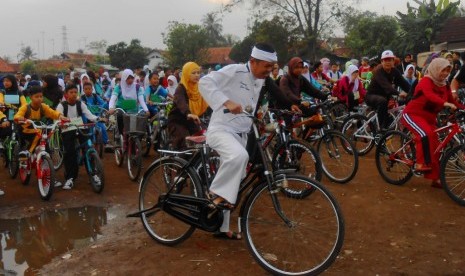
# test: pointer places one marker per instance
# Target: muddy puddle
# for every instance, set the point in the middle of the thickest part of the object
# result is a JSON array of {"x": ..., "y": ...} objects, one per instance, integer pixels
[{"x": 29, "y": 243}]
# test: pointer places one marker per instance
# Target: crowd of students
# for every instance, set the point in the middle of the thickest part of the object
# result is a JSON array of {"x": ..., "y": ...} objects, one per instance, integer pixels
[{"x": 141, "y": 89}]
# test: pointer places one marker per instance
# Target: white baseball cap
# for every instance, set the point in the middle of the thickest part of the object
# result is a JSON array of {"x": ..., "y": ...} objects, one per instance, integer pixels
[{"x": 387, "y": 54}]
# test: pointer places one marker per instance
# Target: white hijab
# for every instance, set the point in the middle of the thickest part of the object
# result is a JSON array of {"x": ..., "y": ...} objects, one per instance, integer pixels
[
  {"x": 406, "y": 71},
  {"x": 352, "y": 69},
  {"x": 128, "y": 91},
  {"x": 172, "y": 88}
]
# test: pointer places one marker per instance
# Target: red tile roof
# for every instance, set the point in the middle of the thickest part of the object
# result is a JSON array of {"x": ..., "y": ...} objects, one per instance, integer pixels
[
  {"x": 5, "y": 67},
  {"x": 219, "y": 55},
  {"x": 453, "y": 30},
  {"x": 77, "y": 56}
]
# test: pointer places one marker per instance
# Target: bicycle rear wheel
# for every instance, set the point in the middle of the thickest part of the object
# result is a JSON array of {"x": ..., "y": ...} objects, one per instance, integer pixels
[
  {"x": 46, "y": 180},
  {"x": 307, "y": 243},
  {"x": 13, "y": 163},
  {"x": 395, "y": 155},
  {"x": 96, "y": 172},
  {"x": 453, "y": 174},
  {"x": 339, "y": 158},
  {"x": 360, "y": 132},
  {"x": 160, "y": 176},
  {"x": 134, "y": 158}
]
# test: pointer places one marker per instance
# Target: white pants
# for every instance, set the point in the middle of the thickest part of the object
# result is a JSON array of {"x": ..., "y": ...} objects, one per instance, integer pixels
[{"x": 233, "y": 161}]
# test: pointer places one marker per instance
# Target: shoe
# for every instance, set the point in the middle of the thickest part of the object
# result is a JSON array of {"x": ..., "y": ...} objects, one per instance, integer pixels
[
  {"x": 222, "y": 205},
  {"x": 68, "y": 184},
  {"x": 2, "y": 192},
  {"x": 96, "y": 180},
  {"x": 436, "y": 184},
  {"x": 58, "y": 184},
  {"x": 108, "y": 146},
  {"x": 422, "y": 168}
]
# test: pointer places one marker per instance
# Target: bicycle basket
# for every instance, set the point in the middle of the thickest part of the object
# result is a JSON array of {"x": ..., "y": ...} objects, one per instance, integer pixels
[{"x": 134, "y": 123}]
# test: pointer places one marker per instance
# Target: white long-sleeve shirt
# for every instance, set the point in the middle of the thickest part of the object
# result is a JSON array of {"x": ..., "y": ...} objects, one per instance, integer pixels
[
  {"x": 236, "y": 83},
  {"x": 72, "y": 111}
]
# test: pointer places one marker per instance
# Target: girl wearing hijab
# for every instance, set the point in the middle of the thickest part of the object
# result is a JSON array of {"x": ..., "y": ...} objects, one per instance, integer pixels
[
  {"x": 293, "y": 84},
  {"x": 51, "y": 91},
  {"x": 409, "y": 74},
  {"x": 172, "y": 84},
  {"x": 431, "y": 95},
  {"x": 10, "y": 94},
  {"x": 349, "y": 88},
  {"x": 96, "y": 81},
  {"x": 127, "y": 95},
  {"x": 189, "y": 105}
]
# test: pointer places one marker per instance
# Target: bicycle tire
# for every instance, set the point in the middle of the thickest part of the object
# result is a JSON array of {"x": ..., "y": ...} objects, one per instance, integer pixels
[
  {"x": 56, "y": 150},
  {"x": 99, "y": 142},
  {"x": 46, "y": 183},
  {"x": 161, "y": 174},
  {"x": 393, "y": 156},
  {"x": 338, "y": 112},
  {"x": 306, "y": 246},
  {"x": 95, "y": 167},
  {"x": 352, "y": 124},
  {"x": 297, "y": 148},
  {"x": 146, "y": 141},
  {"x": 25, "y": 173},
  {"x": 13, "y": 164},
  {"x": 452, "y": 174},
  {"x": 134, "y": 158},
  {"x": 339, "y": 158}
]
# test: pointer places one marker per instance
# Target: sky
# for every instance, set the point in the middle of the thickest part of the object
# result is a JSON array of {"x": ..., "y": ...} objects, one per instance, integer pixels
[{"x": 39, "y": 23}]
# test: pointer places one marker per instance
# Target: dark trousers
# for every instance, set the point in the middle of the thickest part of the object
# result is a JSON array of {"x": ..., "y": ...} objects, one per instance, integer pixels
[
  {"x": 379, "y": 103},
  {"x": 70, "y": 159},
  {"x": 5, "y": 132}
]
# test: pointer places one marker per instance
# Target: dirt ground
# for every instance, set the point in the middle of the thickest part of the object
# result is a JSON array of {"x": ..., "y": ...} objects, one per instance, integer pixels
[{"x": 390, "y": 230}]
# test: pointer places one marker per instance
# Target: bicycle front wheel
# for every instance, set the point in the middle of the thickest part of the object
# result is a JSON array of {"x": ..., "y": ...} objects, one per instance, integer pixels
[
  {"x": 160, "y": 176},
  {"x": 96, "y": 172},
  {"x": 45, "y": 178},
  {"x": 361, "y": 132},
  {"x": 134, "y": 158},
  {"x": 298, "y": 155},
  {"x": 339, "y": 158},
  {"x": 453, "y": 174},
  {"x": 394, "y": 157},
  {"x": 13, "y": 164},
  {"x": 304, "y": 238},
  {"x": 56, "y": 150}
]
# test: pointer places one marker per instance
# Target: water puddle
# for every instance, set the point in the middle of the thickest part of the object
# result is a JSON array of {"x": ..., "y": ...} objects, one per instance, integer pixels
[{"x": 29, "y": 243}]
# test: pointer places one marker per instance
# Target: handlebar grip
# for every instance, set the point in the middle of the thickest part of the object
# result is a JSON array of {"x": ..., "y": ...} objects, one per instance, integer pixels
[{"x": 226, "y": 111}]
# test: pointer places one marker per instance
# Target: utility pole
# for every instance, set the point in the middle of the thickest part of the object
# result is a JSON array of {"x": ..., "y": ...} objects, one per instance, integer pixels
[
  {"x": 53, "y": 46},
  {"x": 38, "y": 49},
  {"x": 85, "y": 43},
  {"x": 43, "y": 45}
]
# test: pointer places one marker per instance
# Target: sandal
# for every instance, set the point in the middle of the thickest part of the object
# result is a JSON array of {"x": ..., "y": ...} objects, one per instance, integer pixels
[
  {"x": 422, "y": 168},
  {"x": 230, "y": 235},
  {"x": 224, "y": 204}
]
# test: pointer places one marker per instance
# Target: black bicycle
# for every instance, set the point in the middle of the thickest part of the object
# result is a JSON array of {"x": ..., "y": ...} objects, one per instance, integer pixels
[{"x": 287, "y": 233}]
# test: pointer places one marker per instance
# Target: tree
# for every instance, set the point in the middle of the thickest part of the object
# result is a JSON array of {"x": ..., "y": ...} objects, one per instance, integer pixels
[
  {"x": 274, "y": 31},
  {"x": 370, "y": 35},
  {"x": 27, "y": 67},
  {"x": 127, "y": 56},
  {"x": 214, "y": 28},
  {"x": 98, "y": 47},
  {"x": 26, "y": 54},
  {"x": 186, "y": 42},
  {"x": 420, "y": 24},
  {"x": 313, "y": 17}
]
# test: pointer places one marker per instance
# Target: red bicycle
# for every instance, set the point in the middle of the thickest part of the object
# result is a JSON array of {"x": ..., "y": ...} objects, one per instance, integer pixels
[{"x": 395, "y": 157}]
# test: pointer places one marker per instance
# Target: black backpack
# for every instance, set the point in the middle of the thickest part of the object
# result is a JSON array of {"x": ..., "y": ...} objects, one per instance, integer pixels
[
  {"x": 65, "y": 105},
  {"x": 29, "y": 112}
]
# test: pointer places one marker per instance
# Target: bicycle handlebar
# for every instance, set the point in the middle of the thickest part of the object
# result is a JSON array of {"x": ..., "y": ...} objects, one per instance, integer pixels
[{"x": 41, "y": 125}]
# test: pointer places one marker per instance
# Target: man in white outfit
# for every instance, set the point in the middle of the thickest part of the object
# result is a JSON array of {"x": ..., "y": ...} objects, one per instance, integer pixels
[{"x": 234, "y": 87}]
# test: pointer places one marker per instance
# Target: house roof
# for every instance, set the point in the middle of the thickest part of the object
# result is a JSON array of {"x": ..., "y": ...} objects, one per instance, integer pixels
[
  {"x": 77, "y": 56},
  {"x": 453, "y": 30},
  {"x": 219, "y": 55},
  {"x": 54, "y": 63},
  {"x": 5, "y": 67}
]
